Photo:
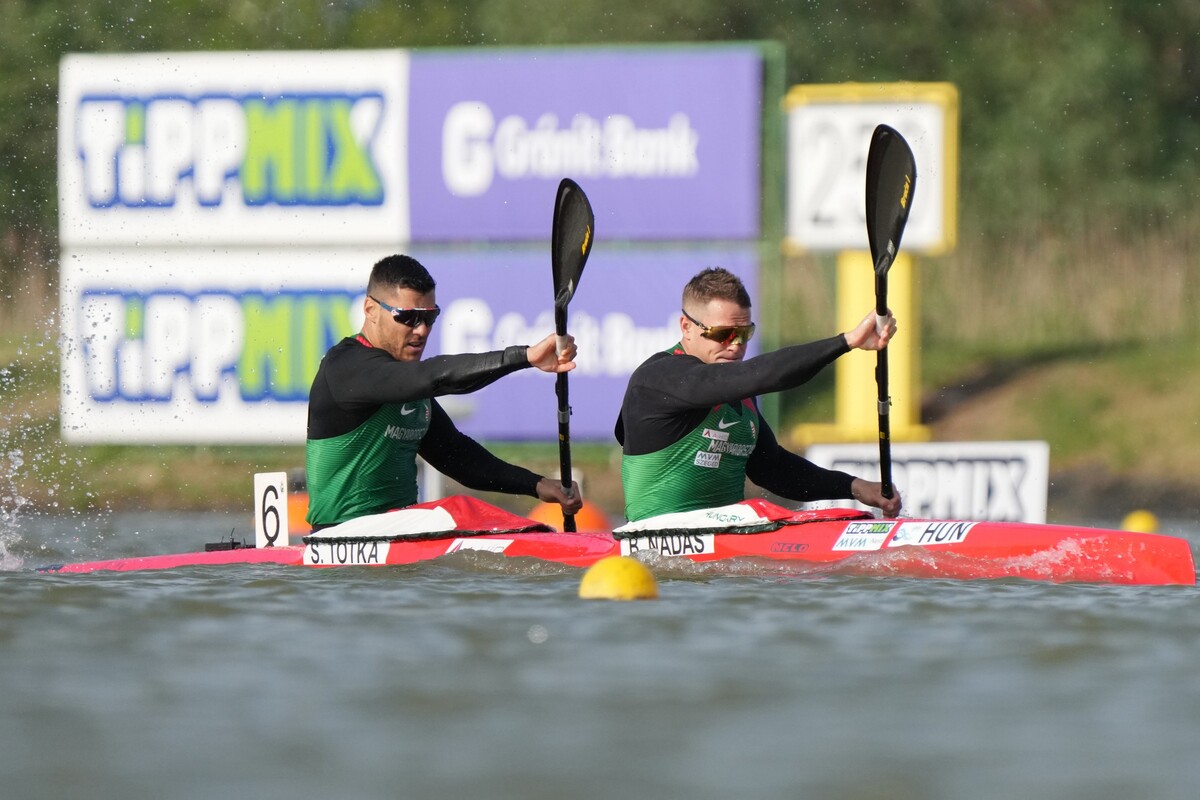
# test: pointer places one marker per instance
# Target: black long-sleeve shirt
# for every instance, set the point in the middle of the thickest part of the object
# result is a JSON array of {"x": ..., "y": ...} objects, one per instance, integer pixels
[
  {"x": 356, "y": 379},
  {"x": 671, "y": 393}
]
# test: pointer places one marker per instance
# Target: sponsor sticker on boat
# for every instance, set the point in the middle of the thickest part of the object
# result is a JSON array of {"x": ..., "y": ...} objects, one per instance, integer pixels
[
  {"x": 671, "y": 544},
  {"x": 484, "y": 545},
  {"x": 941, "y": 532},
  {"x": 864, "y": 535},
  {"x": 340, "y": 554}
]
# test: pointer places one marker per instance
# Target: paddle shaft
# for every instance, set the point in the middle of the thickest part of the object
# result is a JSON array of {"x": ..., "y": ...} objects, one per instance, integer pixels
[
  {"x": 884, "y": 398},
  {"x": 561, "y": 390}
]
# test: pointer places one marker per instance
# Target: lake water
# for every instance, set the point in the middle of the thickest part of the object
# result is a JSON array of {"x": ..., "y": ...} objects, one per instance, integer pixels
[{"x": 476, "y": 677}]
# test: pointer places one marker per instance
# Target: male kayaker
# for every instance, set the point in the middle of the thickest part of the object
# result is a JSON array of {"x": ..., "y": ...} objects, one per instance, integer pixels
[
  {"x": 371, "y": 409},
  {"x": 689, "y": 426}
]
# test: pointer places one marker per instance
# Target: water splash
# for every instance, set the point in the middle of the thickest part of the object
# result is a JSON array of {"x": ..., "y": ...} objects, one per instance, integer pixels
[
  {"x": 34, "y": 465},
  {"x": 12, "y": 459},
  {"x": 11, "y": 501}
]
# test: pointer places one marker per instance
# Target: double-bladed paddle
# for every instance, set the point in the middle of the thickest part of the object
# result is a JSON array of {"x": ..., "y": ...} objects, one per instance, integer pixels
[
  {"x": 891, "y": 181},
  {"x": 570, "y": 243}
]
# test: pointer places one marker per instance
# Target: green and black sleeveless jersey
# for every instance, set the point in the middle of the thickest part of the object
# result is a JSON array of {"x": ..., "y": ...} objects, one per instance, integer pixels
[
  {"x": 370, "y": 469},
  {"x": 673, "y": 417},
  {"x": 370, "y": 416},
  {"x": 706, "y": 468}
]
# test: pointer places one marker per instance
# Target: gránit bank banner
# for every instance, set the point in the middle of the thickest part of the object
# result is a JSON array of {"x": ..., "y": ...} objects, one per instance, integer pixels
[{"x": 666, "y": 142}]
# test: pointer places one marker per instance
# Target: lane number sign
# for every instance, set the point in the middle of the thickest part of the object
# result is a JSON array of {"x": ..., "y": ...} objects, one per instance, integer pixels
[
  {"x": 270, "y": 509},
  {"x": 829, "y": 133}
]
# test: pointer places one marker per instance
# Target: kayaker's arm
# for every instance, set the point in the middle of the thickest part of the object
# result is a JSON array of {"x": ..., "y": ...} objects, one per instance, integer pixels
[
  {"x": 363, "y": 375},
  {"x": 458, "y": 456},
  {"x": 355, "y": 380},
  {"x": 788, "y": 475},
  {"x": 687, "y": 382},
  {"x": 671, "y": 393}
]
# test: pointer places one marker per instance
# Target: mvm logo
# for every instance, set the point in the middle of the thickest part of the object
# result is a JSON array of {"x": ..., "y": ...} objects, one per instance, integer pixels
[{"x": 157, "y": 151}]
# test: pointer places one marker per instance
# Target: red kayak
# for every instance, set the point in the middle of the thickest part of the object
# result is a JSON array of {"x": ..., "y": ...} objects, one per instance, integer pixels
[{"x": 750, "y": 532}]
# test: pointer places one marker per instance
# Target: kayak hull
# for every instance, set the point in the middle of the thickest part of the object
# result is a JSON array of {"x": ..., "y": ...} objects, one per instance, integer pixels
[
  {"x": 985, "y": 551},
  {"x": 292, "y": 555},
  {"x": 950, "y": 549}
]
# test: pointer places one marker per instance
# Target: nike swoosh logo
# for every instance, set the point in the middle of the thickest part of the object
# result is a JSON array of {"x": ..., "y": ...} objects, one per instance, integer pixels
[
  {"x": 405, "y": 410},
  {"x": 723, "y": 424}
]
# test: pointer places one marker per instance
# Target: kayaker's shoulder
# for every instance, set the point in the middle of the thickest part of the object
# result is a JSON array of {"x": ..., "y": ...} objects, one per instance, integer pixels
[
  {"x": 661, "y": 363},
  {"x": 666, "y": 358}
]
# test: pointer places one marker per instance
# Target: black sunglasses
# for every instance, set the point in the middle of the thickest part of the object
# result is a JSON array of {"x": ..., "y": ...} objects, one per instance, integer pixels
[
  {"x": 723, "y": 334},
  {"x": 411, "y": 317}
]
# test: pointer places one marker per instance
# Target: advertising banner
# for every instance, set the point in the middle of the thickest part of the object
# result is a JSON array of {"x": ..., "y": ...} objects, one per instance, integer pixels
[
  {"x": 666, "y": 141},
  {"x": 220, "y": 213},
  {"x": 317, "y": 147},
  {"x": 286, "y": 148},
  {"x": 221, "y": 347},
  {"x": 996, "y": 481}
]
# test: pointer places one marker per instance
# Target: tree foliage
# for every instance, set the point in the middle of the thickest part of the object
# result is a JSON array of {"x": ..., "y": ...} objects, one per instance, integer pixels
[{"x": 1073, "y": 114}]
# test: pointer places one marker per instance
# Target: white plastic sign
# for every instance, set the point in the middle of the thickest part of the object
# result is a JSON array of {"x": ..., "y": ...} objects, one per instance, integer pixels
[{"x": 270, "y": 509}]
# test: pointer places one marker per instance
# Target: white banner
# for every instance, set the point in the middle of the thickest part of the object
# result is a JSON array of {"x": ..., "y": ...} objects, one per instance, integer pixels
[
  {"x": 179, "y": 346},
  {"x": 993, "y": 481},
  {"x": 233, "y": 148}
]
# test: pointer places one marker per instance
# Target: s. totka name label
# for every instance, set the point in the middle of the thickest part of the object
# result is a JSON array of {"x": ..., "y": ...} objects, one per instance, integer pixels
[{"x": 338, "y": 554}]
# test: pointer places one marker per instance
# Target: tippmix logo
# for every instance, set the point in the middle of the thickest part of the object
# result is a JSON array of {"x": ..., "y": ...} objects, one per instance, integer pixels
[{"x": 211, "y": 150}]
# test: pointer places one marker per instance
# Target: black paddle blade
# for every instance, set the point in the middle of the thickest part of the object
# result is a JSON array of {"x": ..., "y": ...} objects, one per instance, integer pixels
[
  {"x": 570, "y": 240},
  {"x": 891, "y": 182}
]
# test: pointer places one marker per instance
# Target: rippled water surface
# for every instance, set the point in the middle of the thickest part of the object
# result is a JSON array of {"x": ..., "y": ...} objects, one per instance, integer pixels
[{"x": 475, "y": 677}]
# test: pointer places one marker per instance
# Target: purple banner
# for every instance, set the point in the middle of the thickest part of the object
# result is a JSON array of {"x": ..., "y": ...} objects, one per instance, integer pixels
[
  {"x": 627, "y": 307},
  {"x": 666, "y": 142}
]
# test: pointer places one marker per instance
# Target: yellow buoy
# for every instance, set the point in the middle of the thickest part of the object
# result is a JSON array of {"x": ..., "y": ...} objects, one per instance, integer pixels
[
  {"x": 1140, "y": 521},
  {"x": 618, "y": 578}
]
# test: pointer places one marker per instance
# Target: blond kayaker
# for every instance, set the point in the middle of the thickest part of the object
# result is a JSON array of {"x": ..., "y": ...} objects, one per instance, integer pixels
[{"x": 689, "y": 425}]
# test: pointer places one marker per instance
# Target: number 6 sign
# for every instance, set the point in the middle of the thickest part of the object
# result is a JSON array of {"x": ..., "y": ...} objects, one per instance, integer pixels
[{"x": 270, "y": 509}]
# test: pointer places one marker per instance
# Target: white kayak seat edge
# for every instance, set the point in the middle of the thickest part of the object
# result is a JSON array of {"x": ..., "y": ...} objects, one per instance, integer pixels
[
  {"x": 406, "y": 523},
  {"x": 734, "y": 518}
]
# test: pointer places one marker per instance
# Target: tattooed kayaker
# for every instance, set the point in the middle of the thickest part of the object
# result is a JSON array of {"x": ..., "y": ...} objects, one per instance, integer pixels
[
  {"x": 689, "y": 426},
  {"x": 372, "y": 407}
]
